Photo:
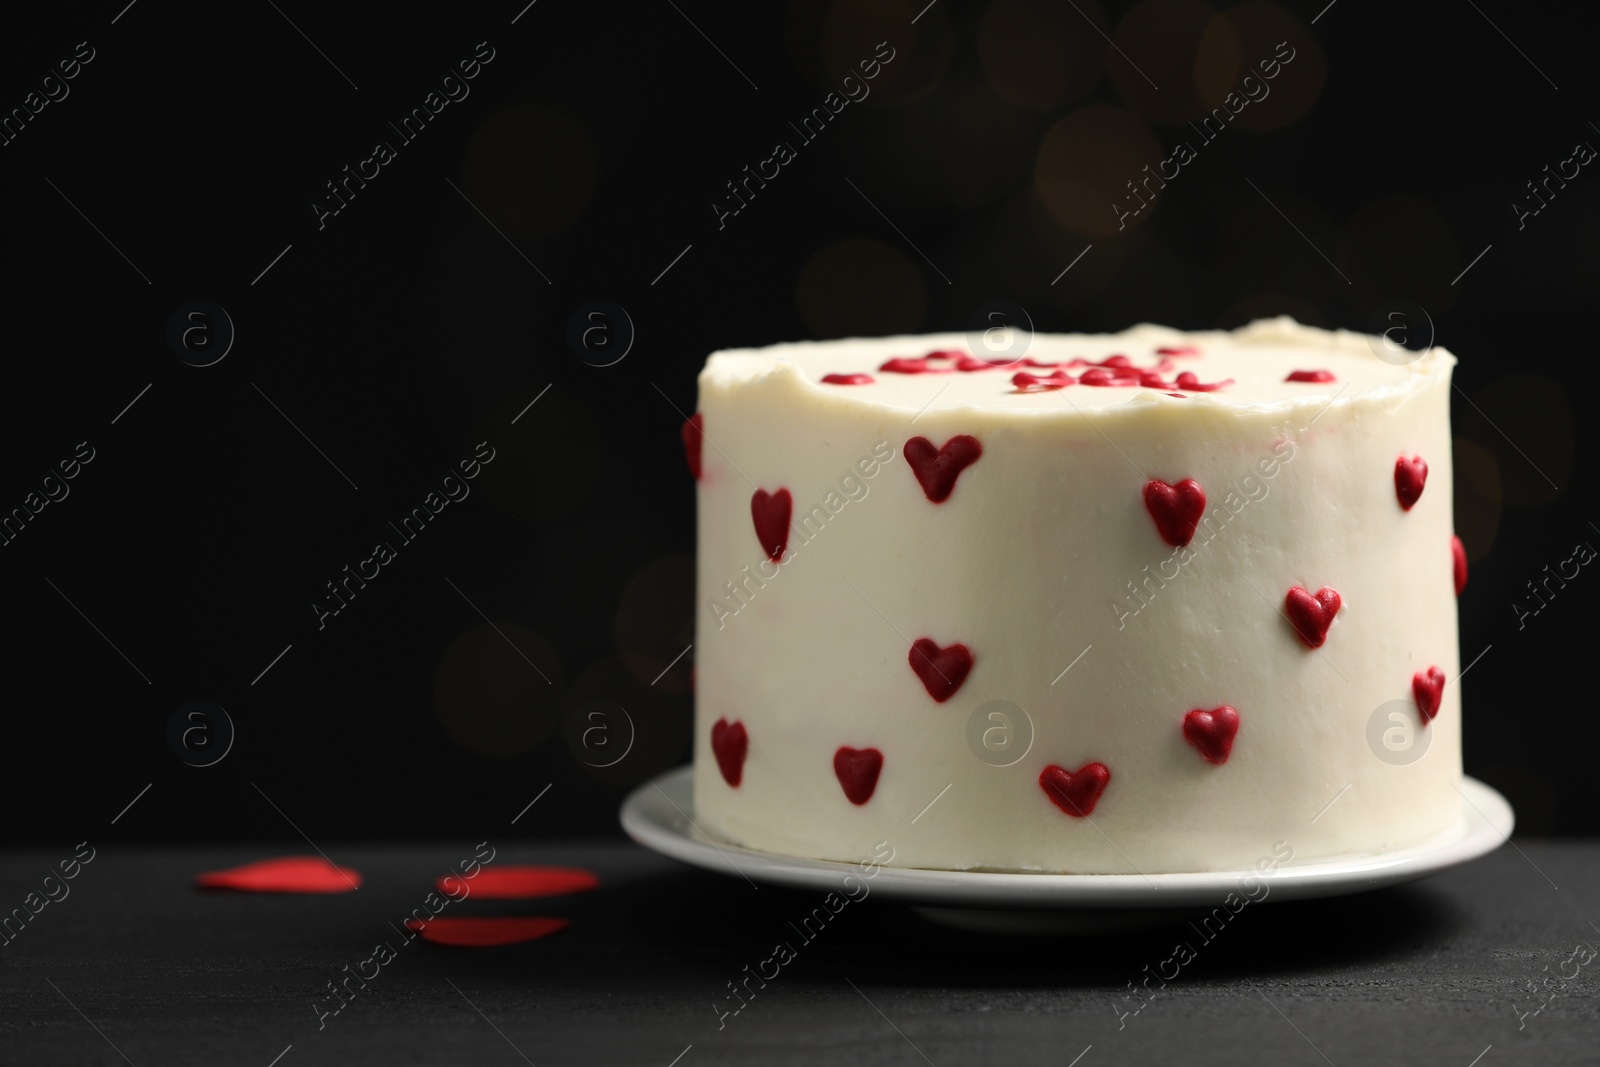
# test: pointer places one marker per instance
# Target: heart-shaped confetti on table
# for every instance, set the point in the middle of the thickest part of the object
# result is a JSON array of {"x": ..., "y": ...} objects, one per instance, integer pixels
[
  {"x": 285, "y": 874},
  {"x": 1312, "y": 615},
  {"x": 1075, "y": 792},
  {"x": 1410, "y": 475},
  {"x": 937, "y": 469},
  {"x": 729, "y": 741},
  {"x": 1428, "y": 688},
  {"x": 942, "y": 670},
  {"x": 486, "y": 931},
  {"x": 1212, "y": 732},
  {"x": 1175, "y": 508},
  {"x": 771, "y": 511},
  {"x": 1458, "y": 562},
  {"x": 519, "y": 882},
  {"x": 693, "y": 432},
  {"x": 857, "y": 770}
]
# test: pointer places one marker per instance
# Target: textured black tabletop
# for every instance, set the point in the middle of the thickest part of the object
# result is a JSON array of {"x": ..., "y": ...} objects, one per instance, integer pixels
[{"x": 1487, "y": 964}]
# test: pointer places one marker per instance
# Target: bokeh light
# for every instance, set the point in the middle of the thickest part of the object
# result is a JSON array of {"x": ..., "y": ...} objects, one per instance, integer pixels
[
  {"x": 487, "y": 696},
  {"x": 1041, "y": 54},
  {"x": 829, "y": 39},
  {"x": 1478, "y": 496},
  {"x": 1153, "y": 65},
  {"x": 860, "y": 287},
  {"x": 1245, "y": 41},
  {"x": 1085, "y": 165}
]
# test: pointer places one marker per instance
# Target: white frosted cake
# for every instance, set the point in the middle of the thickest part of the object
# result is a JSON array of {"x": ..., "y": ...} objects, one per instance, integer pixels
[{"x": 1143, "y": 602}]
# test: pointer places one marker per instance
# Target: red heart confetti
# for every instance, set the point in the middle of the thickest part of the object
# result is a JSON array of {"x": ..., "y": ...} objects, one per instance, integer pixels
[
  {"x": 1188, "y": 380},
  {"x": 937, "y": 469},
  {"x": 908, "y": 365},
  {"x": 1410, "y": 475},
  {"x": 1428, "y": 688},
  {"x": 520, "y": 882},
  {"x": 1034, "y": 383},
  {"x": 1176, "y": 508},
  {"x": 942, "y": 670},
  {"x": 771, "y": 514},
  {"x": 729, "y": 742},
  {"x": 1312, "y": 615},
  {"x": 1458, "y": 562},
  {"x": 857, "y": 770},
  {"x": 1103, "y": 375},
  {"x": 1212, "y": 732},
  {"x": 1075, "y": 792},
  {"x": 693, "y": 432},
  {"x": 286, "y": 874},
  {"x": 486, "y": 932}
]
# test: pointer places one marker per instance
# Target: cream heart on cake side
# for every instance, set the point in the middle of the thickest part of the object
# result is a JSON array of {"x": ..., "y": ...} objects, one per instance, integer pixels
[
  {"x": 1212, "y": 732},
  {"x": 1410, "y": 475},
  {"x": 1075, "y": 792},
  {"x": 942, "y": 670},
  {"x": 1428, "y": 688},
  {"x": 857, "y": 770},
  {"x": 770, "y": 512},
  {"x": 1176, "y": 509},
  {"x": 1458, "y": 563},
  {"x": 938, "y": 469},
  {"x": 729, "y": 743},
  {"x": 694, "y": 430},
  {"x": 1311, "y": 615}
]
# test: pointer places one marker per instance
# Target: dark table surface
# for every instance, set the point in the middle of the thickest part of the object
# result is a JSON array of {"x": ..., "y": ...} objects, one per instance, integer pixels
[{"x": 136, "y": 966}]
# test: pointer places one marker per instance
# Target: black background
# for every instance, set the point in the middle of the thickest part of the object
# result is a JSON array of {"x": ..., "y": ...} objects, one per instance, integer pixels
[{"x": 408, "y": 329}]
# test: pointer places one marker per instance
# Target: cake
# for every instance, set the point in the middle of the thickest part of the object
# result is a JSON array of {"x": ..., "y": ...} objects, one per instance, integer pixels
[{"x": 1104, "y": 604}]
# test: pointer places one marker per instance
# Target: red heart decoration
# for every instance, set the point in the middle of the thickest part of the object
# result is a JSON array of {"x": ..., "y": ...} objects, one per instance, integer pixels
[
  {"x": 1212, "y": 732},
  {"x": 942, "y": 670},
  {"x": 1428, "y": 689},
  {"x": 1176, "y": 508},
  {"x": 771, "y": 514},
  {"x": 693, "y": 431},
  {"x": 1075, "y": 792},
  {"x": 288, "y": 874},
  {"x": 1410, "y": 475},
  {"x": 937, "y": 469},
  {"x": 1312, "y": 615},
  {"x": 474, "y": 932},
  {"x": 1458, "y": 562},
  {"x": 513, "y": 882},
  {"x": 857, "y": 770},
  {"x": 729, "y": 743}
]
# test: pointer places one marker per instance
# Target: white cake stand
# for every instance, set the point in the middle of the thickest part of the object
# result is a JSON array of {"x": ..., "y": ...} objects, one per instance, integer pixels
[{"x": 660, "y": 816}]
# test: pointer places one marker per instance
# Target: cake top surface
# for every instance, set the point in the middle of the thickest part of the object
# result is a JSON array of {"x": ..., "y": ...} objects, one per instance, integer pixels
[{"x": 1269, "y": 364}]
